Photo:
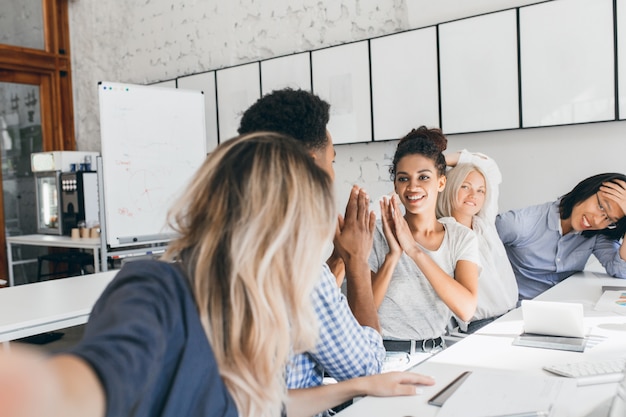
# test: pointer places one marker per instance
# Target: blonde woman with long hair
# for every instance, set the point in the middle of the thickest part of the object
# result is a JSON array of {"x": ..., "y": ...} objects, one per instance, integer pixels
[
  {"x": 209, "y": 330},
  {"x": 471, "y": 198}
]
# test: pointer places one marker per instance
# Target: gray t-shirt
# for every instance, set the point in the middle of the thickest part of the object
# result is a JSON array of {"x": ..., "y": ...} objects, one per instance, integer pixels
[{"x": 411, "y": 308}]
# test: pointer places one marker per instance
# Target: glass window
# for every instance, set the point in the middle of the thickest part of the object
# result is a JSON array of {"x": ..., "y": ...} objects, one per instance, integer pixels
[
  {"x": 20, "y": 122},
  {"x": 22, "y": 23}
]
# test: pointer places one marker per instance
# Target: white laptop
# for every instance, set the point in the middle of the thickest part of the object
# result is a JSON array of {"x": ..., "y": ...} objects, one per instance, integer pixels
[{"x": 552, "y": 318}]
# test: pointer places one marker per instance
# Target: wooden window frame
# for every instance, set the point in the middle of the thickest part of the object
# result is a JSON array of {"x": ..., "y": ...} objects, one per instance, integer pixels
[{"x": 50, "y": 68}]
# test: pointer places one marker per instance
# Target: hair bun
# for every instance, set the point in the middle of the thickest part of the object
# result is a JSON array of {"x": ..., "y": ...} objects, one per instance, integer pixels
[{"x": 435, "y": 136}]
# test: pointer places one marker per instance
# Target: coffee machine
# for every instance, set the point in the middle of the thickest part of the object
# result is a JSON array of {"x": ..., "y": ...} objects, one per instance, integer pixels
[
  {"x": 66, "y": 190},
  {"x": 79, "y": 199}
]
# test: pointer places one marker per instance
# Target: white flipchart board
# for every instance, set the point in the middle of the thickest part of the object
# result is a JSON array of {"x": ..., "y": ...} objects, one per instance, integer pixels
[{"x": 153, "y": 141}]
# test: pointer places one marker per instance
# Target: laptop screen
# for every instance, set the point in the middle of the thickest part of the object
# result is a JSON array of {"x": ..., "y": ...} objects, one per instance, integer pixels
[{"x": 553, "y": 318}]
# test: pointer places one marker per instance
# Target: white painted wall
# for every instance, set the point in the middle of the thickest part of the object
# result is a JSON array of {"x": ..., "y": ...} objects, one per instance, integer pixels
[
  {"x": 143, "y": 41},
  {"x": 537, "y": 165}
]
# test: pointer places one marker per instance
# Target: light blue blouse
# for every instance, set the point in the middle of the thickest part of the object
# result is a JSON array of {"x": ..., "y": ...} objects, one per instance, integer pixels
[{"x": 542, "y": 256}]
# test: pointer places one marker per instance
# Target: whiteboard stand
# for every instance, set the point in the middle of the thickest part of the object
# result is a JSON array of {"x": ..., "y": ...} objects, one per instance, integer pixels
[{"x": 103, "y": 227}]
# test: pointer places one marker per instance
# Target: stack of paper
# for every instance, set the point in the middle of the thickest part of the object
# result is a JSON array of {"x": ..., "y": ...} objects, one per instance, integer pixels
[
  {"x": 613, "y": 301},
  {"x": 501, "y": 393}
]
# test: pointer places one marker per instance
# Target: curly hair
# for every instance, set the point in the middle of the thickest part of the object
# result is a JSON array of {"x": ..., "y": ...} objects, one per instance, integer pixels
[
  {"x": 297, "y": 113},
  {"x": 423, "y": 141}
]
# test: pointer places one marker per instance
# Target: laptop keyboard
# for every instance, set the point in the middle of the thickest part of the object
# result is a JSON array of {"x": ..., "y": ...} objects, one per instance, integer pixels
[{"x": 591, "y": 372}]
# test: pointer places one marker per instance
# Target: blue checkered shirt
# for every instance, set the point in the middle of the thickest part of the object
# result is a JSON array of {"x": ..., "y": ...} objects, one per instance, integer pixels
[{"x": 345, "y": 349}]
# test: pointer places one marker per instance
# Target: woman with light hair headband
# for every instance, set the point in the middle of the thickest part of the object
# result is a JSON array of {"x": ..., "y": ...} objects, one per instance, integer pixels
[
  {"x": 208, "y": 330},
  {"x": 471, "y": 197}
]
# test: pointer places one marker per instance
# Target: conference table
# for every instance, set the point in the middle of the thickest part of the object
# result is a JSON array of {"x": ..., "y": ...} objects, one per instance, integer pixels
[
  {"x": 491, "y": 350},
  {"x": 36, "y": 308},
  {"x": 30, "y": 309}
]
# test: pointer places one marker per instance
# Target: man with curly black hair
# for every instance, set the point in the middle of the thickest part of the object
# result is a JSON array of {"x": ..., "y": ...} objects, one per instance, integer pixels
[
  {"x": 348, "y": 346},
  {"x": 296, "y": 113}
]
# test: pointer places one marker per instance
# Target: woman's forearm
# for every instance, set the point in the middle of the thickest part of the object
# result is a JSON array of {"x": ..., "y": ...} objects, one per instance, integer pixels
[
  {"x": 382, "y": 278},
  {"x": 307, "y": 402},
  {"x": 460, "y": 293},
  {"x": 35, "y": 385},
  {"x": 310, "y": 401}
]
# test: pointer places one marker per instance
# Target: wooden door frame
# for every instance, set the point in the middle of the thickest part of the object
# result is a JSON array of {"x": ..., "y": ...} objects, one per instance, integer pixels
[
  {"x": 43, "y": 81},
  {"x": 50, "y": 69}
]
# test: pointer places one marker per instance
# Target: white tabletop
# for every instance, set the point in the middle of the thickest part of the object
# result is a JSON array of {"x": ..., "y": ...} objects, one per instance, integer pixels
[
  {"x": 54, "y": 241},
  {"x": 491, "y": 349},
  {"x": 30, "y": 309},
  {"x": 58, "y": 241}
]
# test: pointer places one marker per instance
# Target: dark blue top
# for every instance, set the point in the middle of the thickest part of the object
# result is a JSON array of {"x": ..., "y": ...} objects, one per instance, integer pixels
[{"x": 146, "y": 344}]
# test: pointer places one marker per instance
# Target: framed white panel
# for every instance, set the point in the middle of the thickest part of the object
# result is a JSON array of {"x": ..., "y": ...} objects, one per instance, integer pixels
[
  {"x": 479, "y": 73},
  {"x": 567, "y": 62},
  {"x": 153, "y": 141},
  {"x": 621, "y": 57},
  {"x": 237, "y": 89},
  {"x": 341, "y": 77},
  {"x": 168, "y": 84},
  {"x": 205, "y": 82},
  {"x": 405, "y": 92},
  {"x": 286, "y": 71}
]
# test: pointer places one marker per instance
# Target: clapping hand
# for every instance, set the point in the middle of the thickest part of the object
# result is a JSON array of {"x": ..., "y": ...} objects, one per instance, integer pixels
[
  {"x": 396, "y": 229},
  {"x": 389, "y": 225},
  {"x": 355, "y": 231}
]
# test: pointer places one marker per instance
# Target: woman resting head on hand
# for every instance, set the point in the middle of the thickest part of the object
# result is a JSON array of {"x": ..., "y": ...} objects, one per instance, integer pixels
[{"x": 588, "y": 220}]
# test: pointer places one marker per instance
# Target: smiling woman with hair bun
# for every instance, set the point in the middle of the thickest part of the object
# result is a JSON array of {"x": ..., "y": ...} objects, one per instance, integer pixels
[{"x": 423, "y": 269}]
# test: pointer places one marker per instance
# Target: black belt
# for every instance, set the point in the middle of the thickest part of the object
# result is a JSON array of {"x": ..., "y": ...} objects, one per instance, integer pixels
[{"x": 412, "y": 346}]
